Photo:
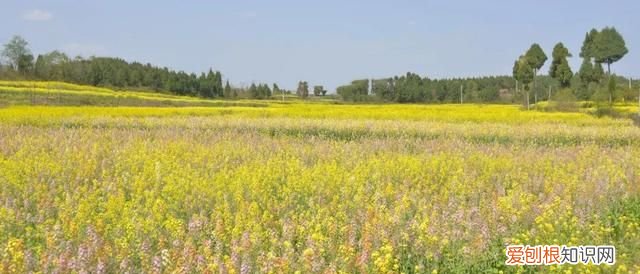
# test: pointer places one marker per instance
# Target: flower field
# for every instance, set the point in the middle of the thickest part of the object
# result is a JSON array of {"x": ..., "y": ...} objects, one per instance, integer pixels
[
  {"x": 311, "y": 188},
  {"x": 60, "y": 93}
]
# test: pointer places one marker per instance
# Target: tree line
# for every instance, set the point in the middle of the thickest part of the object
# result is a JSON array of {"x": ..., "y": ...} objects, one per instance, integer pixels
[
  {"x": 412, "y": 88},
  {"x": 19, "y": 63},
  {"x": 606, "y": 46},
  {"x": 525, "y": 84}
]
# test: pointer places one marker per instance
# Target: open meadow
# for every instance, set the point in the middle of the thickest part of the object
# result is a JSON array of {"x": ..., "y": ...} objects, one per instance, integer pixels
[
  {"x": 311, "y": 187},
  {"x": 319, "y": 137}
]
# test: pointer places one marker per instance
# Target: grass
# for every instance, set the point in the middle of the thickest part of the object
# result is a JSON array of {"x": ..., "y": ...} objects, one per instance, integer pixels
[{"x": 311, "y": 187}]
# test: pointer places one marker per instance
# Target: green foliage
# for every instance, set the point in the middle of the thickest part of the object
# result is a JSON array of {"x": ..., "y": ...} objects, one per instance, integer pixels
[
  {"x": 358, "y": 90},
  {"x": 598, "y": 73},
  {"x": 536, "y": 57},
  {"x": 227, "y": 90},
  {"x": 588, "y": 44},
  {"x": 383, "y": 89},
  {"x": 564, "y": 74},
  {"x": 109, "y": 72},
  {"x": 524, "y": 72},
  {"x": 303, "y": 89},
  {"x": 15, "y": 51},
  {"x": 609, "y": 47},
  {"x": 488, "y": 95},
  {"x": 565, "y": 100},
  {"x": 586, "y": 71},
  {"x": 25, "y": 64},
  {"x": 261, "y": 91},
  {"x": 560, "y": 69},
  {"x": 319, "y": 91}
]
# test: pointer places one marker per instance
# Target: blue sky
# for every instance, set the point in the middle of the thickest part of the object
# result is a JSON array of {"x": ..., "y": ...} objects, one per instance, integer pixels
[{"x": 326, "y": 42}]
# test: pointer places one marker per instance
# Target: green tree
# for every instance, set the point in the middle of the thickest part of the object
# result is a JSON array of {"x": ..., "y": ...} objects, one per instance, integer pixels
[
  {"x": 265, "y": 92},
  {"x": 560, "y": 69},
  {"x": 587, "y": 45},
  {"x": 25, "y": 64},
  {"x": 564, "y": 74},
  {"x": 318, "y": 90},
  {"x": 227, "y": 90},
  {"x": 41, "y": 69},
  {"x": 253, "y": 91},
  {"x": 525, "y": 74},
  {"x": 303, "y": 89},
  {"x": 383, "y": 89},
  {"x": 14, "y": 51},
  {"x": 609, "y": 47},
  {"x": 586, "y": 71},
  {"x": 217, "y": 84},
  {"x": 536, "y": 58},
  {"x": 598, "y": 73}
]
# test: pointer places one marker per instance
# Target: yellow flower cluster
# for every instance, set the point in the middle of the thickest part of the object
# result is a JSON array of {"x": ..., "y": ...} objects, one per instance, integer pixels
[{"x": 313, "y": 188}]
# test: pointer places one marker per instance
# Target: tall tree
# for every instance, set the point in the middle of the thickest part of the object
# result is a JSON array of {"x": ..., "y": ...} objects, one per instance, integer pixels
[
  {"x": 564, "y": 74},
  {"x": 536, "y": 58},
  {"x": 41, "y": 69},
  {"x": 227, "y": 90},
  {"x": 253, "y": 91},
  {"x": 609, "y": 47},
  {"x": 598, "y": 73},
  {"x": 516, "y": 67},
  {"x": 560, "y": 69},
  {"x": 303, "y": 89},
  {"x": 525, "y": 74},
  {"x": 587, "y": 45},
  {"x": 25, "y": 64},
  {"x": 217, "y": 84},
  {"x": 14, "y": 50},
  {"x": 586, "y": 71}
]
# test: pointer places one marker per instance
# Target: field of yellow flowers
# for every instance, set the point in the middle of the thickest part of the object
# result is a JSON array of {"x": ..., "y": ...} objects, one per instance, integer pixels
[
  {"x": 65, "y": 94},
  {"x": 311, "y": 188}
]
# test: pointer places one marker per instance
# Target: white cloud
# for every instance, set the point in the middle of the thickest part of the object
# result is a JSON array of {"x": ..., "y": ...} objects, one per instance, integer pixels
[
  {"x": 85, "y": 50},
  {"x": 37, "y": 15}
]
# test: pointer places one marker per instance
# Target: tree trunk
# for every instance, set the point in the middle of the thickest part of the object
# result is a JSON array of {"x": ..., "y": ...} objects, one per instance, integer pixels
[
  {"x": 527, "y": 100},
  {"x": 608, "y": 83},
  {"x": 610, "y": 99}
]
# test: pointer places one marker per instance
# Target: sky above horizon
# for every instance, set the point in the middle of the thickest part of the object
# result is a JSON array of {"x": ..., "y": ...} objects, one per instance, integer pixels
[{"x": 326, "y": 42}]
